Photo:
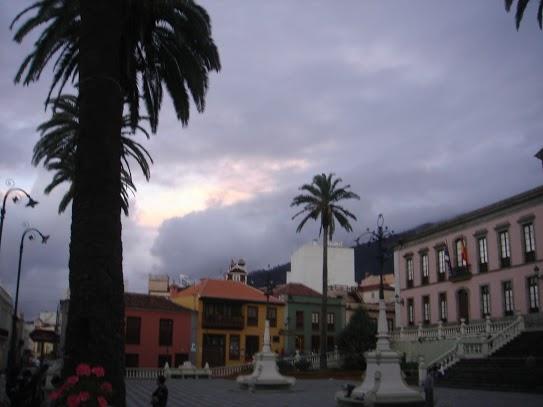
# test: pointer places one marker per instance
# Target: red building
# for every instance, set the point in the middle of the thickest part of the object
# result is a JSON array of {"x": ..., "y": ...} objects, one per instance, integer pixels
[{"x": 157, "y": 331}]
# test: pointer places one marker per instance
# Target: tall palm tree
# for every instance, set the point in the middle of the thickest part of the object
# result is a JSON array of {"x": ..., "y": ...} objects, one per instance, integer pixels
[
  {"x": 320, "y": 199},
  {"x": 117, "y": 55},
  {"x": 58, "y": 143},
  {"x": 521, "y": 7}
]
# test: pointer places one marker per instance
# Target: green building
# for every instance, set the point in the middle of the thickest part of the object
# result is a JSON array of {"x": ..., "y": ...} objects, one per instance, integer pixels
[{"x": 302, "y": 318}]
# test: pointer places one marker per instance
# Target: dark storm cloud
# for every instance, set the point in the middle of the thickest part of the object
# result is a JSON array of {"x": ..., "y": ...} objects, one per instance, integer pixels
[{"x": 202, "y": 243}]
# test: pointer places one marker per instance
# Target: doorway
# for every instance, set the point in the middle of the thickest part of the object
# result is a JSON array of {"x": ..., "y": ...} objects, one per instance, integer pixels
[
  {"x": 251, "y": 346},
  {"x": 463, "y": 305},
  {"x": 213, "y": 351}
]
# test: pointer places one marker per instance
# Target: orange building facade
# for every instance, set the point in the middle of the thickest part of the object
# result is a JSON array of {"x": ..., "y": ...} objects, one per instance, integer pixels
[
  {"x": 231, "y": 320},
  {"x": 157, "y": 331}
]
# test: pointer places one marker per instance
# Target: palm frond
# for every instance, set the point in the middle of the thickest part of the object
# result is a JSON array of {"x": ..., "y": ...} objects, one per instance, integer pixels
[
  {"x": 57, "y": 148},
  {"x": 164, "y": 42},
  {"x": 521, "y": 8}
]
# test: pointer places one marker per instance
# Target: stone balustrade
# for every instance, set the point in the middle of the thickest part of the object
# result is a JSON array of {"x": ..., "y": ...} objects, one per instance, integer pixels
[
  {"x": 453, "y": 330},
  {"x": 480, "y": 343},
  {"x": 333, "y": 359},
  {"x": 143, "y": 372},
  {"x": 226, "y": 371}
]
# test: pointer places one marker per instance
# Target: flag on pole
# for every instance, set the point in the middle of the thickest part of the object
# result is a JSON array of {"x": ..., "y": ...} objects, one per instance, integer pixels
[
  {"x": 448, "y": 267},
  {"x": 464, "y": 253}
]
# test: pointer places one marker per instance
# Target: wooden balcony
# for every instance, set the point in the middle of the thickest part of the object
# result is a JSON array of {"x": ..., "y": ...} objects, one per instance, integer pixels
[{"x": 222, "y": 322}]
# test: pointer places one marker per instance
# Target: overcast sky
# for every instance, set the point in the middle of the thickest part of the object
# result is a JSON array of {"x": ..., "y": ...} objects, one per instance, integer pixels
[{"x": 426, "y": 109}]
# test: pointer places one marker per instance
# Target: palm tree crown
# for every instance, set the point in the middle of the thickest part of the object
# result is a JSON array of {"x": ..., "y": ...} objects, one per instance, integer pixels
[
  {"x": 321, "y": 199},
  {"x": 164, "y": 42},
  {"x": 58, "y": 143}
]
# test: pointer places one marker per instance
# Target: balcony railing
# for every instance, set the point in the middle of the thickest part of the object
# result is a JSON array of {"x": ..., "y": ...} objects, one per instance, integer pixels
[
  {"x": 223, "y": 322},
  {"x": 460, "y": 273}
]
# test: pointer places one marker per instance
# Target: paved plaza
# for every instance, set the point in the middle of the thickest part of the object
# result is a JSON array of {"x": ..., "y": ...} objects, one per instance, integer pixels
[{"x": 225, "y": 393}]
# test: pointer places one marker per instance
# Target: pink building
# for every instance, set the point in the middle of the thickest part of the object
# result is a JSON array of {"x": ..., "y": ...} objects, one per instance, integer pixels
[{"x": 494, "y": 254}]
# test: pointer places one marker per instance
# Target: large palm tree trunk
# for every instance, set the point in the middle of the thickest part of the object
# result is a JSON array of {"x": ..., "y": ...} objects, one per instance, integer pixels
[
  {"x": 324, "y": 303},
  {"x": 96, "y": 314}
]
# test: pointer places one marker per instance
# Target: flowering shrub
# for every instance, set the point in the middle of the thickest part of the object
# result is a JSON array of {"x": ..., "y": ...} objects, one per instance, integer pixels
[{"x": 86, "y": 389}]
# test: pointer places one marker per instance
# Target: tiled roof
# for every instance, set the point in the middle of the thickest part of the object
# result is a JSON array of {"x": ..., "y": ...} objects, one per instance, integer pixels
[
  {"x": 375, "y": 287},
  {"x": 388, "y": 279},
  {"x": 226, "y": 289},
  {"x": 295, "y": 289},
  {"x": 151, "y": 302}
]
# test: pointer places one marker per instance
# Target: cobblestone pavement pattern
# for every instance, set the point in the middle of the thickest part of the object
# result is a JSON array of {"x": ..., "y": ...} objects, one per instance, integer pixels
[{"x": 225, "y": 393}]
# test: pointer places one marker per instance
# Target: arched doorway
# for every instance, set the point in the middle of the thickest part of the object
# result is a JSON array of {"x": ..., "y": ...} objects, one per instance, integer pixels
[{"x": 463, "y": 304}]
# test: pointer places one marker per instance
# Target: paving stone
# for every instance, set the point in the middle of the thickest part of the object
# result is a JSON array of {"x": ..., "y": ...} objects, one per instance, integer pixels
[{"x": 306, "y": 393}]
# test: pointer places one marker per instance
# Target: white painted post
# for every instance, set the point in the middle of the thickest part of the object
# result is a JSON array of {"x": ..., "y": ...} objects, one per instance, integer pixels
[
  {"x": 422, "y": 370},
  {"x": 462, "y": 327},
  {"x": 419, "y": 331},
  {"x": 520, "y": 318},
  {"x": 401, "y": 332},
  {"x": 440, "y": 330},
  {"x": 460, "y": 348},
  {"x": 487, "y": 325}
]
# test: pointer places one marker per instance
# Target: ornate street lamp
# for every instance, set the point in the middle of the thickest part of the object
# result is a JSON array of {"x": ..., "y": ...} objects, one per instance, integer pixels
[
  {"x": 379, "y": 236},
  {"x": 270, "y": 285},
  {"x": 383, "y": 383},
  {"x": 539, "y": 155},
  {"x": 18, "y": 191},
  {"x": 32, "y": 234}
]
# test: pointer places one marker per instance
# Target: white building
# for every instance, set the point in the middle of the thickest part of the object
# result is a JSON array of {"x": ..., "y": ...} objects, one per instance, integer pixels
[{"x": 306, "y": 265}]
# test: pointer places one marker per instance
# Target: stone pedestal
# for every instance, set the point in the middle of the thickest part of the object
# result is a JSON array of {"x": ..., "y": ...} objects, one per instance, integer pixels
[
  {"x": 383, "y": 383},
  {"x": 265, "y": 374}
]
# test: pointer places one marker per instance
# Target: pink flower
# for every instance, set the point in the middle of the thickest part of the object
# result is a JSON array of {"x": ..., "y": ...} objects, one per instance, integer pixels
[
  {"x": 106, "y": 387},
  {"x": 98, "y": 371},
  {"x": 74, "y": 400},
  {"x": 72, "y": 380},
  {"x": 84, "y": 396},
  {"x": 102, "y": 402},
  {"x": 54, "y": 395},
  {"x": 83, "y": 369}
]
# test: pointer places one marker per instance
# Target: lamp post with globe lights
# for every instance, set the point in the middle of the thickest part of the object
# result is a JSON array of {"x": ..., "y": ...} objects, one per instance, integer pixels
[
  {"x": 32, "y": 234},
  {"x": 16, "y": 197},
  {"x": 383, "y": 383}
]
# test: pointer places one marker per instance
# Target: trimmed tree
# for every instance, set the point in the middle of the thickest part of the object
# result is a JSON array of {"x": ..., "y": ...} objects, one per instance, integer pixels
[{"x": 357, "y": 337}]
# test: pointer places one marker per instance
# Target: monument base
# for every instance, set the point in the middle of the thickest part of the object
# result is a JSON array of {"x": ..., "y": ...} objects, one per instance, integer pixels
[
  {"x": 383, "y": 384},
  {"x": 265, "y": 374}
]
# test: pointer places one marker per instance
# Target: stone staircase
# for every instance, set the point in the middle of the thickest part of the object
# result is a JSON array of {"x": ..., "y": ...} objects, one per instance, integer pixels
[{"x": 516, "y": 366}]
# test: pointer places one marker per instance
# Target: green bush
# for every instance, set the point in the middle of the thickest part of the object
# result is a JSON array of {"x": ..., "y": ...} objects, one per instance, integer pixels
[
  {"x": 303, "y": 365},
  {"x": 358, "y": 337},
  {"x": 284, "y": 366}
]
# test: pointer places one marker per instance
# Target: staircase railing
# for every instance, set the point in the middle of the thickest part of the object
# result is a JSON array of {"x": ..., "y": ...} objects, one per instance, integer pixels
[
  {"x": 480, "y": 347},
  {"x": 447, "y": 331},
  {"x": 505, "y": 336}
]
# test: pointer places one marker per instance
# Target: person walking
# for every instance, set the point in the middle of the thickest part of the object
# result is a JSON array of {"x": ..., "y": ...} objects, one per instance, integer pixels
[
  {"x": 160, "y": 395},
  {"x": 429, "y": 388}
]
